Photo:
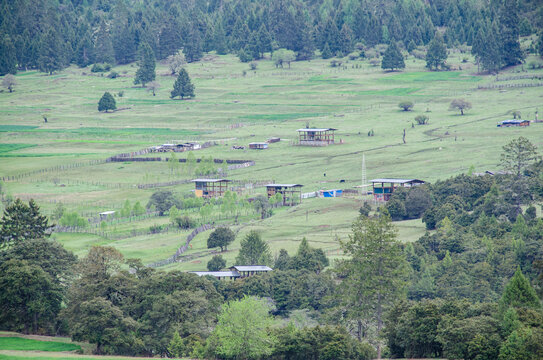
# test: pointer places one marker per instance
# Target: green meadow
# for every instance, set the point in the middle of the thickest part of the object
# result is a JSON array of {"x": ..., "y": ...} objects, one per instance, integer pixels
[{"x": 57, "y": 161}]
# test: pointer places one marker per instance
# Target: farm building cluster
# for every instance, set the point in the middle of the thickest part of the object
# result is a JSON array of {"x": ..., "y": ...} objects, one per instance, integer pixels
[{"x": 187, "y": 146}]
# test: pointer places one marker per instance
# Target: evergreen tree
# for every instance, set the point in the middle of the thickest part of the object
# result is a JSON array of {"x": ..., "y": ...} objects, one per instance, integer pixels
[
  {"x": 124, "y": 45},
  {"x": 254, "y": 250},
  {"x": 392, "y": 58},
  {"x": 346, "y": 39},
  {"x": 50, "y": 54},
  {"x": 264, "y": 40},
  {"x": 193, "y": 47},
  {"x": 107, "y": 102},
  {"x": 326, "y": 53},
  {"x": 103, "y": 47},
  {"x": 219, "y": 39},
  {"x": 8, "y": 57},
  {"x": 216, "y": 263},
  {"x": 519, "y": 293},
  {"x": 21, "y": 222},
  {"x": 437, "y": 53},
  {"x": 540, "y": 44},
  {"x": 509, "y": 33},
  {"x": 146, "y": 70},
  {"x": 182, "y": 86},
  {"x": 85, "y": 52}
]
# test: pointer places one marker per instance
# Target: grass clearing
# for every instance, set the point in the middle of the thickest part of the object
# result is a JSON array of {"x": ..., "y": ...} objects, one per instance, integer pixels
[
  {"x": 233, "y": 109},
  {"x": 18, "y": 343}
]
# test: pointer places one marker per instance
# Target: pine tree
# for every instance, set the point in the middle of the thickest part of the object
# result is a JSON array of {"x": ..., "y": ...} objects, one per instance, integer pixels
[
  {"x": 219, "y": 40},
  {"x": 519, "y": 293},
  {"x": 193, "y": 47},
  {"x": 437, "y": 53},
  {"x": 264, "y": 40},
  {"x": 346, "y": 39},
  {"x": 107, "y": 102},
  {"x": 147, "y": 65},
  {"x": 392, "y": 58},
  {"x": 21, "y": 222},
  {"x": 509, "y": 33},
  {"x": 50, "y": 54},
  {"x": 85, "y": 52},
  {"x": 103, "y": 47},
  {"x": 326, "y": 53},
  {"x": 182, "y": 86},
  {"x": 8, "y": 58}
]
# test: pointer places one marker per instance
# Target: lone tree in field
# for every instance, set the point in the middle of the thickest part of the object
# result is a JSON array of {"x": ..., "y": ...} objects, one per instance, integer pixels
[
  {"x": 254, "y": 250},
  {"x": 147, "y": 65},
  {"x": 216, "y": 263},
  {"x": 392, "y": 58},
  {"x": 182, "y": 86},
  {"x": 422, "y": 119},
  {"x": 176, "y": 62},
  {"x": 518, "y": 155},
  {"x": 9, "y": 82},
  {"x": 460, "y": 104},
  {"x": 221, "y": 237},
  {"x": 406, "y": 105},
  {"x": 107, "y": 102}
]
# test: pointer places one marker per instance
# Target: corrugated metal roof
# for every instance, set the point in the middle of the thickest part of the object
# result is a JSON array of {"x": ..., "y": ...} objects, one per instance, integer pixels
[
  {"x": 308, "y": 130},
  {"x": 396, "y": 181},
  {"x": 284, "y": 185},
  {"x": 209, "y": 180},
  {"x": 251, "y": 268},
  {"x": 216, "y": 273}
]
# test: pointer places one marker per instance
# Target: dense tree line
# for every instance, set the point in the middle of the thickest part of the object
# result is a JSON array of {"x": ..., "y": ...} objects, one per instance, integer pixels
[{"x": 48, "y": 35}]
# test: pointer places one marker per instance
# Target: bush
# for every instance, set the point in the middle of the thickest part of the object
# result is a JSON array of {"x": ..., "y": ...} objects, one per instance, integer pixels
[
  {"x": 335, "y": 63},
  {"x": 253, "y": 65},
  {"x": 374, "y": 62},
  {"x": 120, "y": 93},
  {"x": 216, "y": 263},
  {"x": 73, "y": 219},
  {"x": 184, "y": 222},
  {"x": 113, "y": 75},
  {"x": 97, "y": 68},
  {"x": 535, "y": 65},
  {"x": 354, "y": 55},
  {"x": 155, "y": 229},
  {"x": 422, "y": 119}
]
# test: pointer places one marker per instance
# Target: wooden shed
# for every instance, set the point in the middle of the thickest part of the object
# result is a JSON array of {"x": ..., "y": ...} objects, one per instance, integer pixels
[
  {"x": 209, "y": 188},
  {"x": 383, "y": 188},
  {"x": 258, "y": 145},
  {"x": 292, "y": 193},
  {"x": 316, "y": 137}
]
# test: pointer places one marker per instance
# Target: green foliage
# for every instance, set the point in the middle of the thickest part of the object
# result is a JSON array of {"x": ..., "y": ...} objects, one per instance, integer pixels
[
  {"x": 163, "y": 200},
  {"x": 243, "y": 329},
  {"x": 519, "y": 293},
  {"x": 254, "y": 250},
  {"x": 374, "y": 272},
  {"x": 216, "y": 263},
  {"x": 182, "y": 86},
  {"x": 73, "y": 219},
  {"x": 9, "y": 82},
  {"x": 8, "y": 56},
  {"x": 146, "y": 70},
  {"x": 437, "y": 53},
  {"x": 326, "y": 53},
  {"x": 392, "y": 58},
  {"x": 184, "y": 222},
  {"x": 21, "y": 222},
  {"x": 309, "y": 258},
  {"x": 107, "y": 102},
  {"x": 221, "y": 237},
  {"x": 138, "y": 209},
  {"x": 518, "y": 155},
  {"x": 283, "y": 56}
]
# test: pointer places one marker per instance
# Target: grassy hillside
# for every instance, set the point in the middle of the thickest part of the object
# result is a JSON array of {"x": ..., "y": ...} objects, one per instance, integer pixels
[{"x": 235, "y": 106}]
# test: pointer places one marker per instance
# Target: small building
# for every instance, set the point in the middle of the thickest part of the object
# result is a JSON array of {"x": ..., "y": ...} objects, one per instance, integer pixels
[
  {"x": 292, "y": 193},
  {"x": 176, "y": 147},
  {"x": 258, "y": 145},
  {"x": 383, "y": 188},
  {"x": 236, "y": 271},
  {"x": 514, "y": 122},
  {"x": 316, "y": 137},
  {"x": 107, "y": 215},
  {"x": 232, "y": 275},
  {"x": 331, "y": 193},
  {"x": 249, "y": 270},
  {"x": 273, "y": 140},
  {"x": 209, "y": 188}
]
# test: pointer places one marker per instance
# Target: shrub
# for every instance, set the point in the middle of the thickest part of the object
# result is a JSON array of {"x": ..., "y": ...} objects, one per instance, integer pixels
[
  {"x": 155, "y": 229},
  {"x": 422, "y": 119},
  {"x": 253, "y": 65},
  {"x": 113, "y": 75},
  {"x": 335, "y": 63},
  {"x": 374, "y": 62},
  {"x": 184, "y": 222},
  {"x": 354, "y": 55},
  {"x": 120, "y": 93},
  {"x": 97, "y": 68}
]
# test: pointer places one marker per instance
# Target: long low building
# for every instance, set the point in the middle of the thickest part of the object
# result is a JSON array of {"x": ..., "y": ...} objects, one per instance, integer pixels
[{"x": 237, "y": 271}]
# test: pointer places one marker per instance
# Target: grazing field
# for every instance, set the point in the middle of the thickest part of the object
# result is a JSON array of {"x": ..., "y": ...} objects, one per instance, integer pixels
[{"x": 63, "y": 160}]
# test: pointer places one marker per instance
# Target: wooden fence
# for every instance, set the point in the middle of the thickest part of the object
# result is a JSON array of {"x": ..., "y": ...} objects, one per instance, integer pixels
[
  {"x": 503, "y": 86},
  {"x": 183, "y": 248},
  {"x": 52, "y": 169}
]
